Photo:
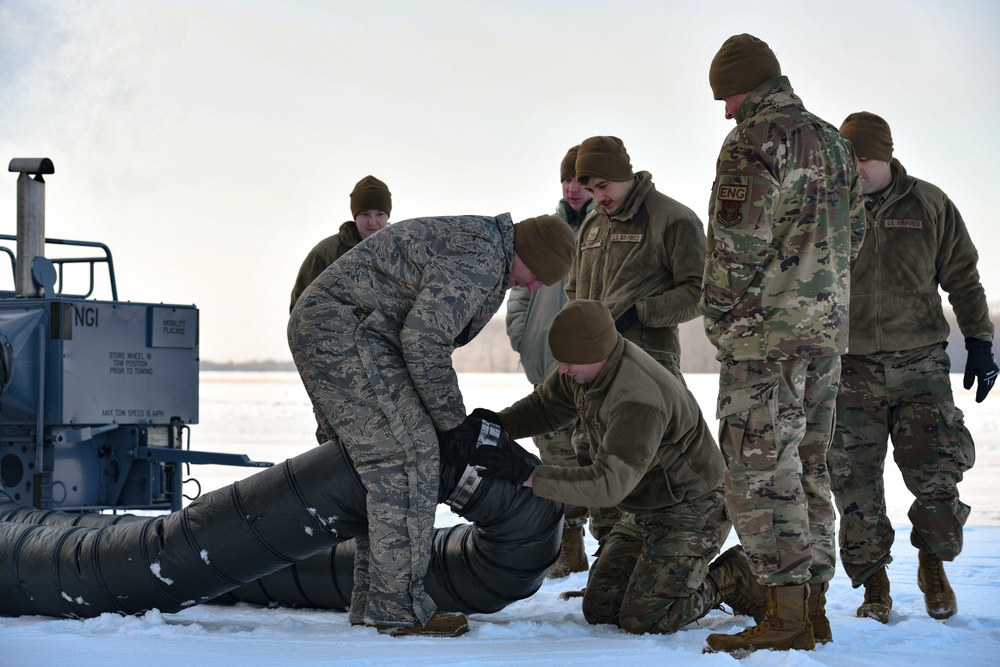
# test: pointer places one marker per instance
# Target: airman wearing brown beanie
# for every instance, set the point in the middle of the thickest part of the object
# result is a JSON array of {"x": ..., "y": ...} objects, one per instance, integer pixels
[
  {"x": 743, "y": 63},
  {"x": 869, "y": 134},
  {"x": 786, "y": 219},
  {"x": 546, "y": 245},
  {"x": 603, "y": 157},
  {"x": 370, "y": 194},
  {"x": 583, "y": 333},
  {"x": 567, "y": 168},
  {"x": 648, "y": 455},
  {"x": 917, "y": 245}
]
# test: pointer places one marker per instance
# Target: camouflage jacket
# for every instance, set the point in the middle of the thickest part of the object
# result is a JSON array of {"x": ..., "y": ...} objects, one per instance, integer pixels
[
  {"x": 916, "y": 243},
  {"x": 426, "y": 286},
  {"x": 649, "y": 444},
  {"x": 323, "y": 254},
  {"x": 529, "y": 316},
  {"x": 649, "y": 255},
  {"x": 785, "y": 221}
]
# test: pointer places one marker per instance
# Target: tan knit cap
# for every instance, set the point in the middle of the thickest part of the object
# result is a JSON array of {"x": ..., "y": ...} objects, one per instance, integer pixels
[
  {"x": 583, "y": 333},
  {"x": 870, "y": 135},
  {"x": 370, "y": 194},
  {"x": 603, "y": 157},
  {"x": 743, "y": 63},
  {"x": 546, "y": 245},
  {"x": 567, "y": 169}
]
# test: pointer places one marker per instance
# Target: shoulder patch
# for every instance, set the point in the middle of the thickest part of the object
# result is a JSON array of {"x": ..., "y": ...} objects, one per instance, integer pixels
[{"x": 732, "y": 193}]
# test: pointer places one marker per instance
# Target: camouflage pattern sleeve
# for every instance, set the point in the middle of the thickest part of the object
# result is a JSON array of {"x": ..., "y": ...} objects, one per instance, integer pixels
[
  {"x": 859, "y": 216},
  {"x": 454, "y": 285},
  {"x": 739, "y": 236}
]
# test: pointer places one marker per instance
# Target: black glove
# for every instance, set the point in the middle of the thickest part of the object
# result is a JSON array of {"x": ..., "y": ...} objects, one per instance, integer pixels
[
  {"x": 458, "y": 444},
  {"x": 626, "y": 320},
  {"x": 980, "y": 365},
  {"x": 487, "y": 416},
  {"x": 494, "y": 462}
]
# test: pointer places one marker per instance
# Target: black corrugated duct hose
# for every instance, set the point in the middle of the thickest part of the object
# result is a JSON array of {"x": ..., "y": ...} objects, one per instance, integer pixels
[{"x": 280, "y": 536}]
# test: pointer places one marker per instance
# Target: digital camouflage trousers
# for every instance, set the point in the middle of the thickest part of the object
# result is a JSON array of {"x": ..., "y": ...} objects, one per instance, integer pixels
[
  {"x": 904, "y": 397},
  {"x": 358, "y": 382}
]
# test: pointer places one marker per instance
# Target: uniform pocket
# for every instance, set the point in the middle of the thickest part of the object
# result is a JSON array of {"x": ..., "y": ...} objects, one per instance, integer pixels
[
  {"x": 932, "y": 435},
  {"x": 747, "y": 422}
]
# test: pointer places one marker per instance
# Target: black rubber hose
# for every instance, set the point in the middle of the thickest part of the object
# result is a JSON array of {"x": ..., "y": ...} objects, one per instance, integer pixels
[{"x": 283, "y": 530}]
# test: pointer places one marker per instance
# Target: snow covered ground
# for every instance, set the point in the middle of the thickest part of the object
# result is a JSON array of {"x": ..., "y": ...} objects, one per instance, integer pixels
[{"x": 267, "y": 416}]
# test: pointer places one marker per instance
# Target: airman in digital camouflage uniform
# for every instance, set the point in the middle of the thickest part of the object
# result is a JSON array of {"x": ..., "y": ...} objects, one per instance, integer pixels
[
  {"x": 785, "y": 220},
  {"x": 529, "y": 316},
  {"x": 372, "y": 338},
  {"x": 895, "y": 384},
  {"x": 651, "y": 455}
]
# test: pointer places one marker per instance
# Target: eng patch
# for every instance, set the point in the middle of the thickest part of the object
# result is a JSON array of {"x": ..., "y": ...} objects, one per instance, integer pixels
[{"x": 729, "y": 201}]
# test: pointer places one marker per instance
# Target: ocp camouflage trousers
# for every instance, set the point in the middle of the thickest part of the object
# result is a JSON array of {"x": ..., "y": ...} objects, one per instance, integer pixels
[
  {"x": 775, "y": 427},
  {"x": 905, "y": 397},
  {"x": 357, "y": 380},
  {"x": 650, "y": 573}
]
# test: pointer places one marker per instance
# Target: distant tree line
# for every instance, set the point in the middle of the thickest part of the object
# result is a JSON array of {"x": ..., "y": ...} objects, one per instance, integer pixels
[{"x": 490, "y": 351}]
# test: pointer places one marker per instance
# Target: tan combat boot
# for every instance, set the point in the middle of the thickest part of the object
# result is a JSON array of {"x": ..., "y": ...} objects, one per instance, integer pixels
[
  {"x": 877, "y": 601},
  {"x": 441, "y": 624},
  {"x": 736, "y": 584},
  {"x": 785, "y": 627},
  {"x": 572, "y": 554},
  {"x": 817, "y": 613},
  {"x": 938, "y": 596}
]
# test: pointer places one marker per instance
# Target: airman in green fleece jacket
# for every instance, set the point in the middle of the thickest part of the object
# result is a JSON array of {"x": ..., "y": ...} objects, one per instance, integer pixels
[
  {"x": 650, "y": 454},
  {"x": 895, "y": 378}
]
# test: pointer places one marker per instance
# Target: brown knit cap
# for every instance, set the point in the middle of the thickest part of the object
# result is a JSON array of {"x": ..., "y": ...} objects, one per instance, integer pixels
[
  {"x": 743, "y": 63},
  {"x": 603, "y": 157},
  {"x": 370, "y": 194},
  {"x": 546, "y": 245},
  {"x": 567, "y": 169},
  {"x": 583, "y": 333},
  {"x": 870, "y": 135}
]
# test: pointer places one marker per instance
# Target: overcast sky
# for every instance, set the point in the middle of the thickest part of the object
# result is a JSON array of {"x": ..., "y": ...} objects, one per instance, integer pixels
[{"x": 211, "y": 144}]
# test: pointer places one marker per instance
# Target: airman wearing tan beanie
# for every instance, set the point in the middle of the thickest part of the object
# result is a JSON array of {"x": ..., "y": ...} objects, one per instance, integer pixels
[
  {"x": 546, "y": 245},
  {"x": 603, "y": 157},
  {"x": 742, "y": 63},
  {"x": 370, "y": 194},
  {"x": 869, "y": 134},
  {"x": 583, "y": 333}
]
